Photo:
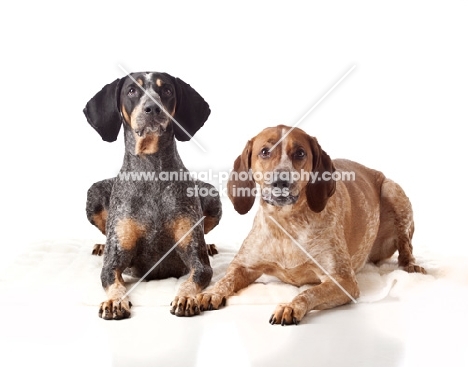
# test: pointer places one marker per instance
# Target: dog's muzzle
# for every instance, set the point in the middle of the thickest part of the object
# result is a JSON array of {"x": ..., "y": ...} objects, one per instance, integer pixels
[
  {"x": 280, "y": 193},
  {"x": 152, "y": 119}
]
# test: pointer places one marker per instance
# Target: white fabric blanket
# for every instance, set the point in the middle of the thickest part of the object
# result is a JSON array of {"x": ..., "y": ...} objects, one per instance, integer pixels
[{"x": 66, "y": 269}]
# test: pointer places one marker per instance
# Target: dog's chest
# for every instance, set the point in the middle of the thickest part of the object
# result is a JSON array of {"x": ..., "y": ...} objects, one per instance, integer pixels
[
  {"x": 285, "y": 257},
  {"x": 286, "y": 260},
  {"x": 291, "y": 251},
  {"x": 284, "y": 253},
  {"x": 152, "y": 198}
]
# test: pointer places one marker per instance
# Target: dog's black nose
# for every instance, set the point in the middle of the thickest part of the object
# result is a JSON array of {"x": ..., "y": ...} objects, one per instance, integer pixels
[
  {"x": 149, "y": 109},
  {"x": 281, "y": 184}
]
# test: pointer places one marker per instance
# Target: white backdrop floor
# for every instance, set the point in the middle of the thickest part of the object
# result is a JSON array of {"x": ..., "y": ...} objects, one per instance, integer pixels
[{"x": 49, "y": 299}]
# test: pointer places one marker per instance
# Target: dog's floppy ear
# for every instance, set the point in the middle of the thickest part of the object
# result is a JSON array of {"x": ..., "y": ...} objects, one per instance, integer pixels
[
  {"x": 321, "y": 190},
  {"x": 241, "y": 185},
  {"x": 191, "y": 111},
  {"x": 102, "y": 111}
]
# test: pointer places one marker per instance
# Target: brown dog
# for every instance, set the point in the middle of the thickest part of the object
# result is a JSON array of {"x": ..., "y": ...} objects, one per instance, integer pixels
[{"x": 311, "y": 228}]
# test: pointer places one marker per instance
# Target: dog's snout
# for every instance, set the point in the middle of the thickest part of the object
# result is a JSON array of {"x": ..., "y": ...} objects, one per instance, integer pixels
[
  {"x": 281, "y": 184},
  {"x": 152, "y": 109},
  {"x": 281, "y": 179},
  {"x": 280, "y": 188}
]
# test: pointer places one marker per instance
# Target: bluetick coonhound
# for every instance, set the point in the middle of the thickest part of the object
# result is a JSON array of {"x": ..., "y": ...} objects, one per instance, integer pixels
[
  {"x": 143, "y": 220},
  {"x": 341, "y": 224}
]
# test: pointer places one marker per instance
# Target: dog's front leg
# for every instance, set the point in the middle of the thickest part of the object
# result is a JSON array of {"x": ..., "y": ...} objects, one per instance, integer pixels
[
  {"x": 193, "y": 252},
  {"x": 119, "y": 250},
  {"x": 117, "y": 306},
  {"x": 185, "y": 302},
  {"x": 320, "y": 297},
  {"x": 237, "y": 277}
]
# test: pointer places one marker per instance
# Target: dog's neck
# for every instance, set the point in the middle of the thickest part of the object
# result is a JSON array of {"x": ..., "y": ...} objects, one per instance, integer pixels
[
  {"x": 288, "y": 216},
  {"x": 164, "y": 158}
]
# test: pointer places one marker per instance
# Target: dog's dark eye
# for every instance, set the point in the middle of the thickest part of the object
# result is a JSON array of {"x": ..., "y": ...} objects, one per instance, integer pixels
[
  {"x": 300, "y": 154},
  {"x": 265, "y": 153},
  {"x": 167, "y": 92},
  {"x": 132, "y": 92}
]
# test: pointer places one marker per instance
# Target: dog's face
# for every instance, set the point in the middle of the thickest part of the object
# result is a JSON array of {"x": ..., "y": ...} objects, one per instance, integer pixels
[
  {"x": 281, "y": 172},
  {"x": 147, "y": 102},
  {"x": 150, "y": 103},
  {"x": 283, "y": 165}
]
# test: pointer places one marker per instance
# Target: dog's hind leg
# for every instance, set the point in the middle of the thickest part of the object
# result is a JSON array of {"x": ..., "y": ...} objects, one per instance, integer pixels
[
  {"x": 396, "y": 228},
  {"x": 212, "y": 210},
  {"x": 97, "y": 206}
]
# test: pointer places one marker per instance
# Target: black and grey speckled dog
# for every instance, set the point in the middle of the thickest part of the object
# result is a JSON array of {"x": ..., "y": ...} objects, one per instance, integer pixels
[{"x": 143, "y": 219}]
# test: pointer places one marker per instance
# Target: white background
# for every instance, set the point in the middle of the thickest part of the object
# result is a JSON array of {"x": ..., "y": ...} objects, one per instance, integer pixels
[{"x": 258, "y": 64}]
